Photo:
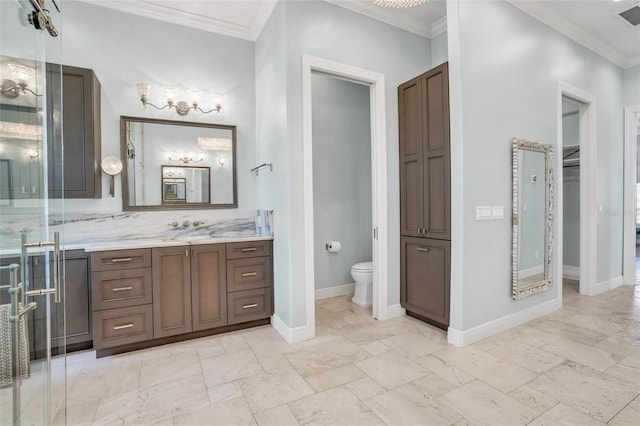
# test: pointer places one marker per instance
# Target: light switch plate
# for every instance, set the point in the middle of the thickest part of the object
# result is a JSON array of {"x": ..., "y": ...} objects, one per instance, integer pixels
[
  {"x": 483, "y": 212},
  {"x": 497, "y": 212}
]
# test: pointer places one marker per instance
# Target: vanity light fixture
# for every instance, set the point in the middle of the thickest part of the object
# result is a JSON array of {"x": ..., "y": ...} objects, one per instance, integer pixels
[
  {"x": 215, "y": 144},
  {"x": 398, "y": 3},
  {"x": 181, "y": 107},
  {"x": 185, "y": 160},
  {"x": 10, "y": 130},
  {"x": 21, "y": 78}
]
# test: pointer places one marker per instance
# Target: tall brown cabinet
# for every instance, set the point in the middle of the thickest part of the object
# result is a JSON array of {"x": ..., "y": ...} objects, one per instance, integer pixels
[{"x": 425, "y": 196}]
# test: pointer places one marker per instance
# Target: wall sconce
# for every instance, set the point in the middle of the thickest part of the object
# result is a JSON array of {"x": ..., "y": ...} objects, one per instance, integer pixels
[
  {"x": 221, "y": 161},
  {"x": 21, "y": 78},
  {"x": 185, "y": 160},
  {"x": 111, "y": 166},
  {"x": 181, "y": 107},
  {"x": 33, "y": 154}
]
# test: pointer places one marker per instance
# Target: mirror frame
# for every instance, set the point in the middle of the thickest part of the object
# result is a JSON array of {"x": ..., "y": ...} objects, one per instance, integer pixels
[
  {"x": 520, "y": 292},
  {"x": 186, "y": 206}
]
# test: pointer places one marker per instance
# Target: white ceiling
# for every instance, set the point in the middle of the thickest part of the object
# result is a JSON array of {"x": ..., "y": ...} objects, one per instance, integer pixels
[{"x": 592, "y": 23}]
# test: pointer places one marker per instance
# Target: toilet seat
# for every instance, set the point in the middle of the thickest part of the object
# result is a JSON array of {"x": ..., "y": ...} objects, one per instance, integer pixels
[{"x": 363, "y": 267}]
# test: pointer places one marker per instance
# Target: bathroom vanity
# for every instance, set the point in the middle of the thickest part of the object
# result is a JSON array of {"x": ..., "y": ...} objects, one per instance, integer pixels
[{"x": 154, "y": 295}]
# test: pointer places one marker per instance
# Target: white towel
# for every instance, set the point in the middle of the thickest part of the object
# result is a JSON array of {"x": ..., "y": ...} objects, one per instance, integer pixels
[{"x": 6, "y": 344}]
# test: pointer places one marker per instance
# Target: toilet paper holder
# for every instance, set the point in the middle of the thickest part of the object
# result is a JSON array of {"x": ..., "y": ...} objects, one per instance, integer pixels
[{"x": 333, "y": 246}]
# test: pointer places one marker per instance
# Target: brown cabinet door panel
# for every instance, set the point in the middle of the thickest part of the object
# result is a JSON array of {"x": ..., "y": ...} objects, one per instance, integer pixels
[
  {"x": 208, "y": 286},
  {"x": 171, "y": 291},
  {"x": 120, "y": 259},
  {"x": 121, "y": 326},
  {"x": 436, "y": 211},
  {"x": 249, "y": 305},
  {"x": 117, "y": 289},
  {"x": 424, "y": 283},
  {"x": 248, "y": 249},
  {"x": 248, "y": 274}
]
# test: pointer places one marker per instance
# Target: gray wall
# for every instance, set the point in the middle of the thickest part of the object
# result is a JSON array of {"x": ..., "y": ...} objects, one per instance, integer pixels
[
  {"x": 160, "y": 53},
  {"x": 509, "y": 66},
  {"x": 439, "y": 49},
  {"x": 632, "y": 86},
  {"x": 341, "y": 125},
  {"x": 571, "y": 195}
]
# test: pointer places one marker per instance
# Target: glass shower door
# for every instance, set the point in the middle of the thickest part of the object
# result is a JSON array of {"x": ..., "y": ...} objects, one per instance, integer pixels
[{"x": 32, "y": 378}]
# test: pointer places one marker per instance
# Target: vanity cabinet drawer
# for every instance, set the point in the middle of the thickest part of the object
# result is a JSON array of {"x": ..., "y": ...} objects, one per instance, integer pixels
[
  {"x": 248, "y": 274},
  {"x": 249, "y": 305},
  {"x": 121, "y": 326},
  {"x": 248, "y": 249},
  {"x": 120, "y": 259},
  {"x": 121, "y": 288}
]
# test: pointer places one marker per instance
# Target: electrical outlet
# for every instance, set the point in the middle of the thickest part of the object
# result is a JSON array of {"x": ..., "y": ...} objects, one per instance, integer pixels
[
  {"x": 483, "y": 212},
  {"x": 497, "y": 212}
]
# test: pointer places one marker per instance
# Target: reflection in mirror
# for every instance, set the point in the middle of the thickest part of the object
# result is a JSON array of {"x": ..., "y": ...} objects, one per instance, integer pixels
[
  {"x": 182, "y": 184},
  {"x": 532, "y": 217},
  {"x": 201, "y": 154}
]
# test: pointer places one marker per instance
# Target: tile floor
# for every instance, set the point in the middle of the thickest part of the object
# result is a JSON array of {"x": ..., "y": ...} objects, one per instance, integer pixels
[{"x": 580, "y": 365}]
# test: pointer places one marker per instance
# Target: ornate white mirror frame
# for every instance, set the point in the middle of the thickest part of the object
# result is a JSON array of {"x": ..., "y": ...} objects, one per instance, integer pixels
[{"x": 537, "y": 282}]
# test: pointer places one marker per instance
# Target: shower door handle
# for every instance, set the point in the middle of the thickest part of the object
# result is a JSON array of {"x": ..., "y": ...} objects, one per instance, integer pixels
[{"x": 56, "y": 265}]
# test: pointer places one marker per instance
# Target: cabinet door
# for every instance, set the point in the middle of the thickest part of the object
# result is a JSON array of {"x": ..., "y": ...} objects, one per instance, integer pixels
[
  {"x": 424, "y": 281},
  {"x": 410, "y": 133},
  {"x": 171, "y": 291},
  {"x": 82, "y": 138},
  {"x": 436, "y": 159},
  {"x": 208, "y": 286}
]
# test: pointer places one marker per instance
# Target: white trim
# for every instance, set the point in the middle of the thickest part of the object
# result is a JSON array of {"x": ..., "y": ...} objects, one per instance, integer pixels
[
  {"x": 339, "y": 290},
  {"x": 588, "y": 186},
  {"x": 292, "y": 335},
  {"x": 630, "y": 179},
  {"x": 571, "y": 272},
  {"x": 262, "y": 18},
  {"x": 498, "y": 325},
  {"x": 526, "y": 273},
  {"x": 544, "y": 14},
  {"x": 395, "y": 311},
  {"x": 438, "y": 27},
  {"x": 376, "y": 82},
  {"x": 607, "y": 285}
]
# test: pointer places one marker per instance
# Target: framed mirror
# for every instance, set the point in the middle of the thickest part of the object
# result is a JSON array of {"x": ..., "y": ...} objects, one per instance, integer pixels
[
  {"x": 532, "y": 217},
  {"x": 177, "y": 165}
]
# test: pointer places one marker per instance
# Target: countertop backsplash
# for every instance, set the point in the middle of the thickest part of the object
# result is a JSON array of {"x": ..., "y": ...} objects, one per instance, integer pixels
[{"x": 79, "y": 228}]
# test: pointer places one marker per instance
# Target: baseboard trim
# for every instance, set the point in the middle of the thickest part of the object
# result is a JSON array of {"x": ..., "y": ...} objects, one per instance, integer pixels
[
  {"x": 526, "y": 273},
  {"x": 571, "y": 272},
  {"x": 464, "y": 338},
  {"x": 395, "y": 311},
  {"x": 607, "y": 285},
  {"x": 292, "y": 334},
  {"x": 339, "y": 290}
]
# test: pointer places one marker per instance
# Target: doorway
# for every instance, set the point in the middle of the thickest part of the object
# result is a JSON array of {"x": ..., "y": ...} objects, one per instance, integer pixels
[
  {"x": 378, "y": 160},
  {"x": 631, "y": 225}
]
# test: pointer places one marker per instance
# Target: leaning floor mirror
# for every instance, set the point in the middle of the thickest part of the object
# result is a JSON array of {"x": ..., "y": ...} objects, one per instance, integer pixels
[{"x": 532, "y": 217}]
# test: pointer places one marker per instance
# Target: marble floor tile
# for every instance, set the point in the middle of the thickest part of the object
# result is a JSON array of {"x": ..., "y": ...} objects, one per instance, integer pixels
[
  {"x": 106, "y": 377},
  {"x": 320, "y": 358},
  {"x": 533, "y": 398},
  {"x": 628, "y": 375},
  {"x": 495, "y": 371},
  {"x": 526, "y": 356},
  {"x": 274, "y": 362},
  {"x": 434, "y": 385},
  {"x": 335, "y": 407},
  {"x": 391, "y": 369},
  {"x": 234, "y": 412},
  {"x": 228, "y": 367},
  {"x": 620, "y": 345},
  {"x": 376, "y": 348},
  {"x": 562, "y": 415},
  {"x": 279, "y": 416},
  {"x": 364, "y": 335},
  {"x": 447, "y": 372},
  {"x": 269, "y": 390},
  {"x": 632, "y": 360},
  {"x": 628, "y": 416},
  {"x": 413, "y": 345},
  {"x": 365, "y": 388},
  {"x": 77, "y": 414},
  {"x": 334, "y": 378},
  {"x": 598, "y": 395},
  {"x": 266, "y": 341},
  {"x": 155, "y": 403},
  {"x": 224, "y": 392},
  {"x": 234, "y": 343},
  {"x": 583, "y": 354},
  {"x": 480, "y": 403},
  {"x": 411, "y": 405},
  {"x": 582, "y": 335},
  {"x": 170, "y": 367}
]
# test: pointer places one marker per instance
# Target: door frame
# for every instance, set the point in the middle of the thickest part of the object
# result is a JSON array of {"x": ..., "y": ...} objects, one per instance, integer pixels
[
  {"x": 630, "y": 179},
  {"x": 588, "y": 182},
  {"x": 376, "y": 83}
]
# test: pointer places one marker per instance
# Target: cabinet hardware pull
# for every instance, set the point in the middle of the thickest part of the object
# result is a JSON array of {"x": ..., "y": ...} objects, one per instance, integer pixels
[
  {"x": 121, "y": 289},
  {"x": 121, "y": 259},
  {"x": 249, "y": 249},
  {"x": 422, "y": 249},
  {"x": 186, "y": 253},
  {"x": 120, "y": 327},
  {"x": 249, "y": 274},
  {"x": 253, "y": 305}
]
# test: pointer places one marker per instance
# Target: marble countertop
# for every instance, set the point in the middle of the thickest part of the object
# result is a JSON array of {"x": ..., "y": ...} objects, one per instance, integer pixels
[{"x": 146, "y": 243}]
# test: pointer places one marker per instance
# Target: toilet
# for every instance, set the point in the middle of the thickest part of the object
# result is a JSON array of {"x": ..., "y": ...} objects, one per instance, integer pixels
[{"x": 362, "y": 274}]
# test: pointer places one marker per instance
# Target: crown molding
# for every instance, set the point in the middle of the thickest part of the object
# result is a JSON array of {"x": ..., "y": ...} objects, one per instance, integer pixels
[
  {"x": 438, "y": 27},
  {"x": 192, "y": 20},
  {"x": 543, "y": 14},
  {"x": 633, "y": 62},
  {"x": 385, "y": 15}
]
